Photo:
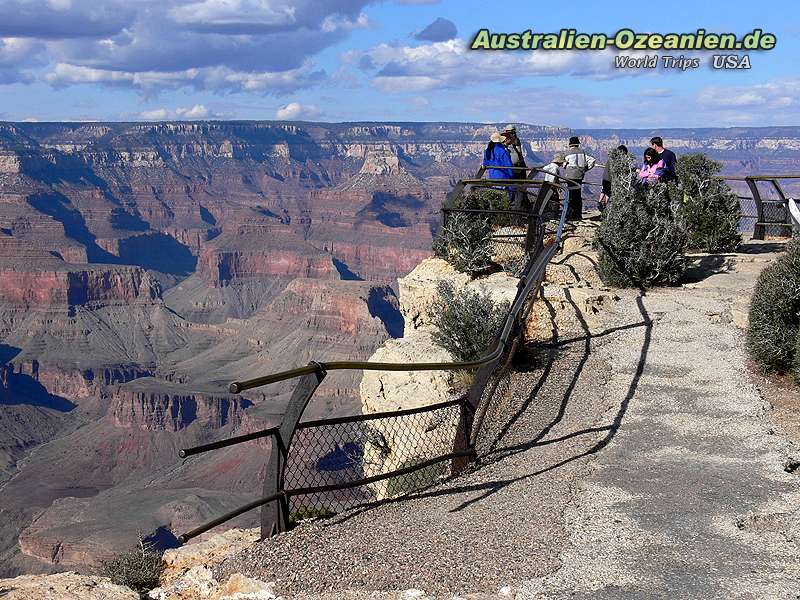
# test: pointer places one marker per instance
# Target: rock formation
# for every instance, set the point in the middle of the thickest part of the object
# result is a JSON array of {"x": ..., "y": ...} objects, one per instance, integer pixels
[{"x": 145, "y": 266}]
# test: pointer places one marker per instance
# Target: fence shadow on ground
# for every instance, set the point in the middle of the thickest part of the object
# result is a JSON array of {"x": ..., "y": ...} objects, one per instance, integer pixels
[{"x": 497, "y": 452}]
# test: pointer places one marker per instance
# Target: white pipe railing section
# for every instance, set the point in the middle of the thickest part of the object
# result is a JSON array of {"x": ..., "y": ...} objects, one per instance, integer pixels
[{"x": 794, "y": 210}]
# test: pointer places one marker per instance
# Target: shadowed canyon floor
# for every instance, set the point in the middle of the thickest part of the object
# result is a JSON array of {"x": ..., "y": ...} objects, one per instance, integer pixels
[{"x": 634, "y": 458}]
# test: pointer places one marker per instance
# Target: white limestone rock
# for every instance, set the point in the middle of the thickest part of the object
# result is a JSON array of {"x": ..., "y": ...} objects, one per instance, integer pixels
[
  {"x": 418, "y": 290},
  {"x": 392, "y": 445},
  {"x": 209, "y": 552},
  {"x": 64, "y": 586}
]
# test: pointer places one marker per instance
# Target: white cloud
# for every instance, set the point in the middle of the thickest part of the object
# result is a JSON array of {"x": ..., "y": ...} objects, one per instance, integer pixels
[
  {"x": 780, "y": 94},
  {"x": 656, "y": 92},
  {"x": 296, "y": 111},
  {"x": 451, "y": 64},
  {"x": 228, "y": 13},
  {"x": 198, "y": 111},
  {"x": 215, "y": 79},
  {"x": 263, "y": 46}
]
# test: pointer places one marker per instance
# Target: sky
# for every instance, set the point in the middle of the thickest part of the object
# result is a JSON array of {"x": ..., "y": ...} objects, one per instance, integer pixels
[{"x": 392, "y": 60}]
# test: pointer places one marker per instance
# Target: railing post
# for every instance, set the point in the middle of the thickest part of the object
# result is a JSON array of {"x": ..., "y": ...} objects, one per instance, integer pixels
[
  {"x": 462, "y": 440},
  {"x": 787, "y": 212},
  {"x": 758, "y": 229},
  {"x": 534, "y": 238},
  {"x": 275, "y": 514}
]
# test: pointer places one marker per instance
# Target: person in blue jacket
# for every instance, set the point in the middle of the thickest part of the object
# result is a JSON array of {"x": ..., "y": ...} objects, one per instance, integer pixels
[{"x": 497, "y": 155}]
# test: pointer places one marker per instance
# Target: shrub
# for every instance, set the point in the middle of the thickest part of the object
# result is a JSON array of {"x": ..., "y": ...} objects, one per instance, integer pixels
[
  {"x": 710, "y": 208},
  {"x": 309, "y": 512},
  {"x": 464, "y": 241},
  {"x": 466, "y": 322},
  {"x": 772, "y": 334},
  {"x": 139, "y": 568},
  {"x": 642, "y": 238},
  {"x": 483, "y": 199}
]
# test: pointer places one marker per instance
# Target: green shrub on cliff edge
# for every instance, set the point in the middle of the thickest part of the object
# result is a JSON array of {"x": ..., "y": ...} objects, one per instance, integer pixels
[
  {"x": 465, "y": 241},
  {"x": 467, "y": 322},
  {"x": 483, "y": 199},
  {"x": 139, "y": 568},
  {"x": 642, "y": 239},
  {"x": 710, "y": 208},
  {"x": 772, "y": 335}
]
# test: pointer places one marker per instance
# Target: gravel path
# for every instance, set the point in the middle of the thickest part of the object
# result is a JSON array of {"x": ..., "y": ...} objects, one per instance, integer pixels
[{"x": 637, "y": 461}]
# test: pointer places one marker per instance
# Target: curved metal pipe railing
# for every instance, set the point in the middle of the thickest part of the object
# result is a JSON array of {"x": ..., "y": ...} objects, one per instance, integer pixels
[{"x": 311, "y": 375}]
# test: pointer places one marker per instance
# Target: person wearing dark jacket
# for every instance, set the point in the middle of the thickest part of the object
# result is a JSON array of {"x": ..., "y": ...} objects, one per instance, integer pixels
[
  {"x": 576, "y": 163},
  {"x": 605, "y": 196},
  {"x": 667, "y": 172},
  {"x": 519, "y": 199}
]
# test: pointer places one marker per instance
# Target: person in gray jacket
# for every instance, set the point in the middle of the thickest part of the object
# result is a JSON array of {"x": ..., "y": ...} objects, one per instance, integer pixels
[{"x": 576, "y": 163}]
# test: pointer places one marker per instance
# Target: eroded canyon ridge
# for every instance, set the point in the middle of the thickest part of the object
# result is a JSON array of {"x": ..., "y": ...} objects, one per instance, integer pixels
[{"x": 145, "y": 266}]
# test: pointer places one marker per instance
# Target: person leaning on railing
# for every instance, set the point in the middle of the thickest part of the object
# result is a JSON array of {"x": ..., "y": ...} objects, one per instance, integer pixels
[
  {"x": 495, "y": 157},
  {"x": 519, "y": 199},
  {"x": 550, "y": 187}
]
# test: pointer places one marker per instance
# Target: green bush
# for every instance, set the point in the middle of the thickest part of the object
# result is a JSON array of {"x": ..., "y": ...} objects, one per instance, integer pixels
[
  {"x": 772, "y": 334},
  {"x": 466, "y": 322},
  {"x": 483, "y": 199},
  {"x": 710, "y": 208},
  {"x": 643, "y": 238},
  {"x": 465, "y": 241},
  {"x": 139, "y": 568},
  {"x": 309, "y": 512}
]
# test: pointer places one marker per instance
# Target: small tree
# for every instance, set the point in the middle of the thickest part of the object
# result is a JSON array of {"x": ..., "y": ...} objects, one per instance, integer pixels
[
  {"x": 642, "y": 239},
  {"x": 774, "y": 324},
  {"x": 466, "y": 322},
  {"x": 710, "y": 208},
  {"x": 139, "y": 568},
  {"x": 464, "y": 240}
]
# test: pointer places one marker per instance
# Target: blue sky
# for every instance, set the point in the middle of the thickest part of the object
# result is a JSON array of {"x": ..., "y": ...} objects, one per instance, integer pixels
[{"x": 336, "y": 60}]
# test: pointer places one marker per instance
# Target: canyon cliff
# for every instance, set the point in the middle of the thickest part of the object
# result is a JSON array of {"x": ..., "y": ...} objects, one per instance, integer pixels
[{"x": 145, "y": 266}]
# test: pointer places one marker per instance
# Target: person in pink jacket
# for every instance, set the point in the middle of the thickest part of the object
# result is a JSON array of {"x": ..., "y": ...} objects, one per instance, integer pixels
[{"x": 649, "y": 171}]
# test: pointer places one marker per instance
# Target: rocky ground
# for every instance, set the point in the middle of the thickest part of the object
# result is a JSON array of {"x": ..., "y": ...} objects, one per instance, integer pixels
[{"x": 631, "y": 454}]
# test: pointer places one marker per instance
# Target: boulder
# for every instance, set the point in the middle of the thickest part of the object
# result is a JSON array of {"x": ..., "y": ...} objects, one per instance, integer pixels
[
  {"x": 64, "y": 586},
  {"x": 209, "y": 552},
  {"x": 198, "y": 583},
  {"x": 418, "y": 290}
]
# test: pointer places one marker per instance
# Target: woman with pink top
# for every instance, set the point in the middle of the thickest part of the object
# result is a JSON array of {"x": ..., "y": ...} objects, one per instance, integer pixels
[{"x": 649, "y": 171}]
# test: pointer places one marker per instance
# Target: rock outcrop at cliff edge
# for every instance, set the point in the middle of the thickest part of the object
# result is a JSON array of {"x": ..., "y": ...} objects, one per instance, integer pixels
[
  {"x": 400, "y": 442},
  {"x": 418, "y": 289},
  {"x": 63, "y": 586}
]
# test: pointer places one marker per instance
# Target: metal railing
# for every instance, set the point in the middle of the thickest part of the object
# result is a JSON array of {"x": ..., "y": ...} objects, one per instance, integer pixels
[
  {"x": 322, "y": 466},
  {"x": 772, "y": 215}
]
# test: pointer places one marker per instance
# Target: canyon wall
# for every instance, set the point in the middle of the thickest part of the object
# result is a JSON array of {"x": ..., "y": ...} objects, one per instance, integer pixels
[{"x": 144, "y": 266}]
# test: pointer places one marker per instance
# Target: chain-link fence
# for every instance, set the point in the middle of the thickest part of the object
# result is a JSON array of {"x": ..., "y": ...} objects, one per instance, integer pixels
[
  {"x": 473, "y": 240},
  {"x": 335, "y": 452}
]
